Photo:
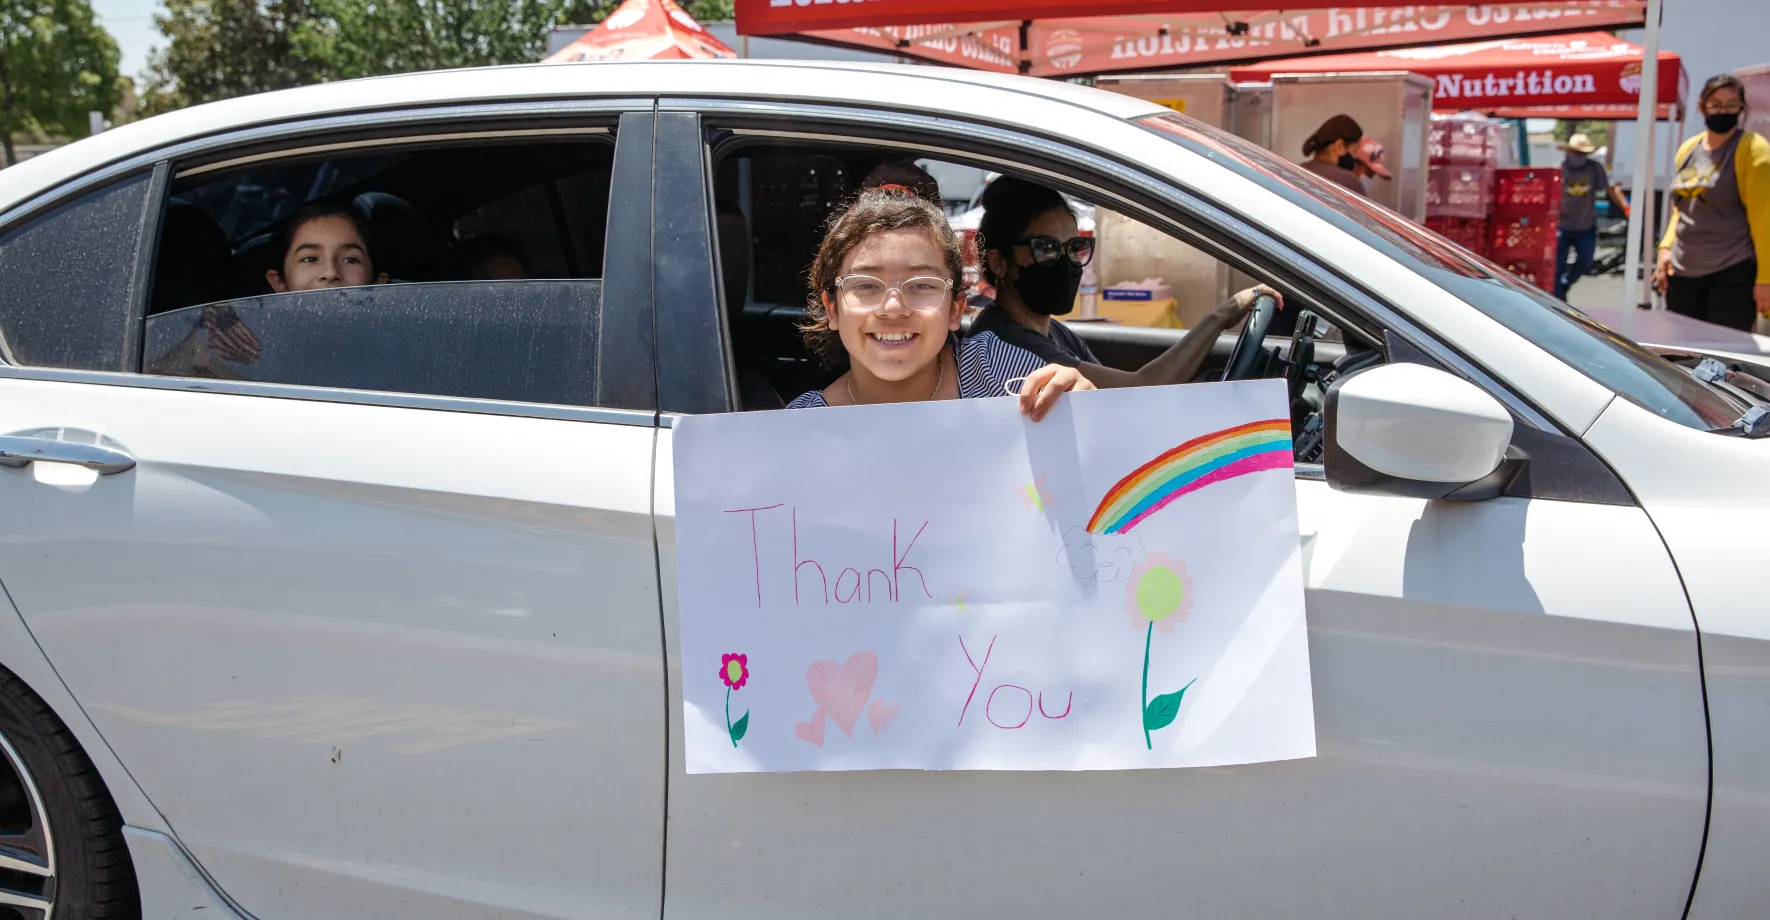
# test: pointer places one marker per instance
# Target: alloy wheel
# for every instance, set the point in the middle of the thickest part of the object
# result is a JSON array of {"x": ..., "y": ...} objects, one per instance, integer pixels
[{"x": 27, "y": 849}]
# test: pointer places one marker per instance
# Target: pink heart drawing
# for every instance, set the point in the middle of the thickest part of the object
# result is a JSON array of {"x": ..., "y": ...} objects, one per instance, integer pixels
[
  {"x": 812, "y": 731},
  {"x": 843, "y": 691},
  {"x": 880, "y": 715}
]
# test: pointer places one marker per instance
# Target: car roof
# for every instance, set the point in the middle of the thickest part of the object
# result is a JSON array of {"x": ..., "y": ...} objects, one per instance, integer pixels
[{"x": 1001, "y": 98}]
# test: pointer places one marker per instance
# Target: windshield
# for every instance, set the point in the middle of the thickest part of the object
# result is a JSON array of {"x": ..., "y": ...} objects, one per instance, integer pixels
[{"x": 1618, "y": 364}]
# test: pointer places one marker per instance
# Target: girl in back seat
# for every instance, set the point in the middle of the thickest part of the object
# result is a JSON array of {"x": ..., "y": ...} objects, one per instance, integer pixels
[
  {"x": 326, "y": 245},
  {"x": 886, "y": 305}
]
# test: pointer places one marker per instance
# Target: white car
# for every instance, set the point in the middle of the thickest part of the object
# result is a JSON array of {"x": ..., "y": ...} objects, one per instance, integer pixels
[{"x": 361, "y": 602}]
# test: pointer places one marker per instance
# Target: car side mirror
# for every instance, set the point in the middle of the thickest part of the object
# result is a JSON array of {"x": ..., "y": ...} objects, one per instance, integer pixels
[{"x": 1417, "y": 432}]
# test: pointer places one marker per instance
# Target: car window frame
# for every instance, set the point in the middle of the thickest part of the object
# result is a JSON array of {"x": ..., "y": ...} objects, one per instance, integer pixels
[
  {"x": 1132, "y": 191},
  {"x": 1128, "y": 188},
  {"x": 626, "y": 375}
]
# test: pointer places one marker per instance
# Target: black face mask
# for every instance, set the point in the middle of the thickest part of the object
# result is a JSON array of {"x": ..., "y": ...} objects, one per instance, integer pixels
[
  {"x": 1721, "y": 122},
  {"x": 1346, "y": 161},
  {"x": 1049, "y": 289}
]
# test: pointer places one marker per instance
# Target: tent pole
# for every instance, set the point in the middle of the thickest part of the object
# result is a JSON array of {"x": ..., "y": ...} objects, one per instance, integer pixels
[
  {"x": 1665, "y": 214},
  {"x": 1634, "y": 280}
]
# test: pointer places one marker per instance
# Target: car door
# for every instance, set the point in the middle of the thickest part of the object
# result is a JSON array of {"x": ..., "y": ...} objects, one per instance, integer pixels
[
  {"x": 1508, "y": 702},
  {"x": 376, "y": 627}
]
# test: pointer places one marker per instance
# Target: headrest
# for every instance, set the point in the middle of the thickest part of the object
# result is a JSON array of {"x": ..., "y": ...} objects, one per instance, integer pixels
[
  {"x": 408, "y": 247},
  {"x": 191, "y": 265}
]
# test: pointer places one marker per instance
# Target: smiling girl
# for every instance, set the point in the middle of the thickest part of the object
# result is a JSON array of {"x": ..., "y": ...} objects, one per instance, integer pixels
[{"x": 885, "y": 307}]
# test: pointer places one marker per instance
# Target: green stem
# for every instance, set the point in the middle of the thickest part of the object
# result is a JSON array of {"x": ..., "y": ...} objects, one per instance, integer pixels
[
  {"x": 734, "y": 742},
  {"x": 1144, "y": 713}
]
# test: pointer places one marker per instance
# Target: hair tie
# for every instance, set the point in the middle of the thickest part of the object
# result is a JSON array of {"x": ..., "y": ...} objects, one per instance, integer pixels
[{"x": 894, "y": 187}]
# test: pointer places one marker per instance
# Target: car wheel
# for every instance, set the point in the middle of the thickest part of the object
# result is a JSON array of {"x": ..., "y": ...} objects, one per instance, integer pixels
[{"x": 62, "y": 855}]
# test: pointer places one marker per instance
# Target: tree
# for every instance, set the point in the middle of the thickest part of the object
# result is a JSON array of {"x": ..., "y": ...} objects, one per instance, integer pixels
[
  {"x": 218, "y": 49},
  {"x": 1598, "y": 132},
  {"x": 365, "y": 38},
  {"x": 56, "y": 65},
  {"x": 710, "y": 10}
]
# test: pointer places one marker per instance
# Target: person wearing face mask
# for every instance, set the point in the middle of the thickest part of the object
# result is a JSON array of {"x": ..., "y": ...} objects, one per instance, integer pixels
[
  {"x": 1034, "y": 257},
  {"x": 886, "y": 300},
  {"x": 1332, "y": 153},
  {"x": 1714, "y": 262},
  {"x": 1581, "y": 180}
]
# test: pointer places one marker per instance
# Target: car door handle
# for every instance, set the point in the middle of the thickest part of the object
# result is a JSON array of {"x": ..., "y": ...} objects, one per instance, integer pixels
[{"x": 18, "y": 451}]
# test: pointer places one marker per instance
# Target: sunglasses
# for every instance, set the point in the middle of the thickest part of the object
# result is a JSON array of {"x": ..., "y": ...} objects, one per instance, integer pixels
[{"x": 1048, "y": 249}]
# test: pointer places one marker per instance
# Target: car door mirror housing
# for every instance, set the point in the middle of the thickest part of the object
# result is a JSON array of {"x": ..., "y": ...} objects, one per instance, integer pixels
[{"x": 1417, "y": 432}]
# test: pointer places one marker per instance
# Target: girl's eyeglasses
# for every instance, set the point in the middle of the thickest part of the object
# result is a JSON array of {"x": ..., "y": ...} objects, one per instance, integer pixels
[
  {"x": 1048, "y": 249},
  {"x": 923, "y": 293}
]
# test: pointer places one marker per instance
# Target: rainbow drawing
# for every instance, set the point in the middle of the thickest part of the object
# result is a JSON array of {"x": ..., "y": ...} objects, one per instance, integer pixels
[{"x": 1209, "y": 458}]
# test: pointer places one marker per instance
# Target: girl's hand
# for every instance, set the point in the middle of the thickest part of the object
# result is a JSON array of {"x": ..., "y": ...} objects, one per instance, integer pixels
[
  {"x": 1761, "y": 294},
  {"x": 1040, "y": 389}
]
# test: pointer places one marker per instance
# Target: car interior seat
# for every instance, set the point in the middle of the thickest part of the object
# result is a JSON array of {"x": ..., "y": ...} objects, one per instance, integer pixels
[
  {"x": 253, "y": 257},
  {"x": 193, "y": 263}
]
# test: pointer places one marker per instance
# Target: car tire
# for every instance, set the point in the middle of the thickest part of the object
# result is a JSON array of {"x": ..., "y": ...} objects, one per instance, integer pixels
[{"x": 61, "y": 838}]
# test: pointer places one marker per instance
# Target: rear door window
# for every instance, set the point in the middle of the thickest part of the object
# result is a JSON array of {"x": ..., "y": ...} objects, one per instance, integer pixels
[
  {"x": 461, "y": 270},
  {"x": 68, "y": 280}
]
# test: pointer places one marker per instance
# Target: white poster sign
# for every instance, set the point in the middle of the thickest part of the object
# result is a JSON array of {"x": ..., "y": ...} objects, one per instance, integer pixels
[{"x": 948, "y": 586}]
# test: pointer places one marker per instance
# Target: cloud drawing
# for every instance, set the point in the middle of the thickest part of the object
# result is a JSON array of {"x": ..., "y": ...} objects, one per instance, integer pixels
[{"x": 1100, "y": 557}]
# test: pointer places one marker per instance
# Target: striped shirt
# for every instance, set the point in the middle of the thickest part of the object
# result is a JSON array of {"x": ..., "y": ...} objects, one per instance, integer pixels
[{"x": 986, "y": 365}]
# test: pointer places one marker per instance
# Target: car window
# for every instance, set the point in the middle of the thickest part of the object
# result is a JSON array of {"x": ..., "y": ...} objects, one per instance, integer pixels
[
  {"x": 1620, "y": 365},
  {"x": 523, "y": 341},
  {"x": 66, "y": 281},
  {"x": 462, "y": 270},
  {"x": 1141, "y": 288}
]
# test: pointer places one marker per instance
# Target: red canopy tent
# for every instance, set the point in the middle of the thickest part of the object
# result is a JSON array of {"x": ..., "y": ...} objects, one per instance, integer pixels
[
  {"x": 1048, "y": 38},
  {"x": 1587, "y": 75},
  {"x": 644, "y": 30}
]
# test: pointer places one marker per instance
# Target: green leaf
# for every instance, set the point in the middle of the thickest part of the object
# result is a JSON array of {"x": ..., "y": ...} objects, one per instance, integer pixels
[
  {"x": 1161, "y": 711},
  {"x": 739, "y": 727}
]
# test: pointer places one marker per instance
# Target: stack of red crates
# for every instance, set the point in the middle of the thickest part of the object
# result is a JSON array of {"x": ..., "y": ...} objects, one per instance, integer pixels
[
  {"x": 1463, "y": 151},
  {"x": 1526, "y": 210}
]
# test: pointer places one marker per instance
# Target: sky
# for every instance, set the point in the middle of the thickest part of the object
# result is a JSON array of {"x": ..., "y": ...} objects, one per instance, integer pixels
[{"x": 131, "y": 23}]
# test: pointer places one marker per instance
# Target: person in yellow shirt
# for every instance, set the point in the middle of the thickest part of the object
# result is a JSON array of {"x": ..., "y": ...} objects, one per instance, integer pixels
[{"x": 1714, "y": 262}]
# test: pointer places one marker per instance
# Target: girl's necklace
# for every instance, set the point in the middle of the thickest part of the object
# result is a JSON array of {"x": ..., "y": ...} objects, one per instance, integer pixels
[{"x": 939, "y": 379}]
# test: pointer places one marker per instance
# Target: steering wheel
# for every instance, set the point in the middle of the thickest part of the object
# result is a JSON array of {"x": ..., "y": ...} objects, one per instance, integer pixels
[{"x": 1250, "y": 348}]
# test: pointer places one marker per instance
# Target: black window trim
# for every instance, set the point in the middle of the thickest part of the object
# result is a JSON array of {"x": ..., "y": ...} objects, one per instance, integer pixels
[
  {"x": 368, "y": 126},
  {"x": 1201, "y": 222},
  {"x": 424, "y": 140}
]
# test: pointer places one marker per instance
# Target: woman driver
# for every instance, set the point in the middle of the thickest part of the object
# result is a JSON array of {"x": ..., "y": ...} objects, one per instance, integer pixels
[
  {"x": 885, "y": 306},
  {"x": 1033, "y": 256}
]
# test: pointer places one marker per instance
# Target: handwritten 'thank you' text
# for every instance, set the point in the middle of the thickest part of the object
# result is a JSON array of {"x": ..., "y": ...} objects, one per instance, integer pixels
[{"x": 811, "y": 577}]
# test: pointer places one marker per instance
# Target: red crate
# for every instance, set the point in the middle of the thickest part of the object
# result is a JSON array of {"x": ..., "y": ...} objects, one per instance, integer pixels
[
  {"x": 1521, "y": 239},
  {"x": 1467, "y": 232},
  {"x": 1458, "y": 191},
  {"x": 1463, "y": 141},
  {"x": 1528, "y": 190}
]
